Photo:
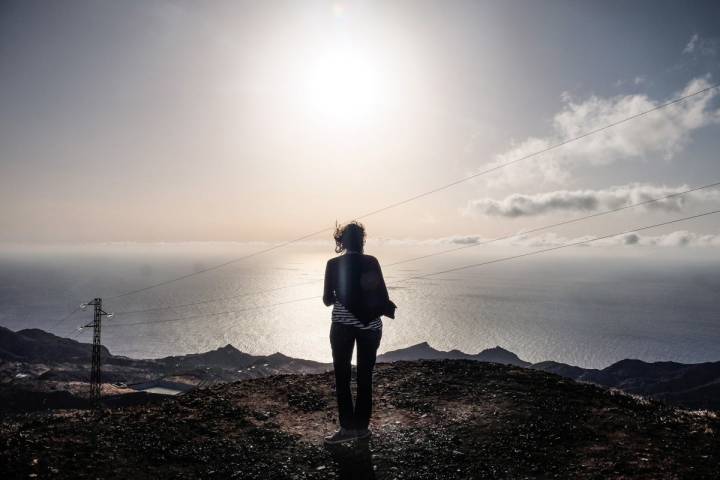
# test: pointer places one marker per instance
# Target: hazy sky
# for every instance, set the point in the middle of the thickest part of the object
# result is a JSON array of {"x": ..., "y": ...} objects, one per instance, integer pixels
[{"x": 162, "y": 120}]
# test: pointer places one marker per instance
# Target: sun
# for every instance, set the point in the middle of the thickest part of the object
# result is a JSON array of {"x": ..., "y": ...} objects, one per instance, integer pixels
[{"x": 343, "y": 83}]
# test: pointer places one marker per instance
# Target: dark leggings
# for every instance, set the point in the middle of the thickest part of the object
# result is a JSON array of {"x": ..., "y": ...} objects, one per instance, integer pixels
[{"x": 342, "y": 341}]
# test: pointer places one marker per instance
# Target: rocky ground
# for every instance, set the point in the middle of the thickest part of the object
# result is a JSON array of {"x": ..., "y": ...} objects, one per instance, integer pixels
[{"x": 433, "y": 420}]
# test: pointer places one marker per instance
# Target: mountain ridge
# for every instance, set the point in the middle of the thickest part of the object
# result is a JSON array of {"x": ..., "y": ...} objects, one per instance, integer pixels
[{"x": 688, "y": 385}]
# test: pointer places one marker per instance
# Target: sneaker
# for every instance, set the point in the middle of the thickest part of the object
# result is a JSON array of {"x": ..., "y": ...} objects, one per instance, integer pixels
[
  {"x": 341, "y": 436},
  {"x": 362, "y": 433}
]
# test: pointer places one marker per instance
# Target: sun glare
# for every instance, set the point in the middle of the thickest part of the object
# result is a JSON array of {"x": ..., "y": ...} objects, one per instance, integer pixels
[{"x": 343, "y": 83}]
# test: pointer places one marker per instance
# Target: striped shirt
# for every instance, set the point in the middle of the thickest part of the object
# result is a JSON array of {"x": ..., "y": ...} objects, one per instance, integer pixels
[{"x": 340, "y": 314}]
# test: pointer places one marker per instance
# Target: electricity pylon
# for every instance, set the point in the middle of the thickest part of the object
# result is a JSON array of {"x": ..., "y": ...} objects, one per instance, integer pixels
[{"x": 95, "y": 373}]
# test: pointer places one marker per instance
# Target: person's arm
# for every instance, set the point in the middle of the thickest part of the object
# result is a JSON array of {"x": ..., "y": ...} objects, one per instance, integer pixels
[
  {"x": 329, "y": 292},
  {"x": 389, "y": 309},
  {"x": 382, "y": 287}
]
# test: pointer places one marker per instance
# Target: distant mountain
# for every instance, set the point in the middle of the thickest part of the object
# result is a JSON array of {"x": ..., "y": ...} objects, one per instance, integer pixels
[
  {"x": 38, "y": 346},
  {"x": 224, "y": 357},
  {"x": 423, "y": 351},
  {"x": 35, "y": 345},
  {"x": 691, "y": 385},
  {"x": 229, "y": 357},
  {"x": 564, "y": 370},
  {"x": 59, "y": 359},
  {"x": 35, "y": 364}
]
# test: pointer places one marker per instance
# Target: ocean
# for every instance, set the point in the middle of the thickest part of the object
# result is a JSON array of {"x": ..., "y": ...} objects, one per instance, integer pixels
[{"x": 586, "y": 306}]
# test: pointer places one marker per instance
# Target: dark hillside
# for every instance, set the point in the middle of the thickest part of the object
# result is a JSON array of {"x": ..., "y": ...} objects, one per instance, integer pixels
[{"x": 433, "y": 420}]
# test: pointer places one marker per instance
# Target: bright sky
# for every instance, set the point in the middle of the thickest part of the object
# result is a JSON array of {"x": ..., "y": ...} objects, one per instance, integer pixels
[{"x": 172, "y": 121}]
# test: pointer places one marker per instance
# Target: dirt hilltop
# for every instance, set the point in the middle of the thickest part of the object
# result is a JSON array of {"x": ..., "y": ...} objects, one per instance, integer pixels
[{"x": 433, "y": 420}]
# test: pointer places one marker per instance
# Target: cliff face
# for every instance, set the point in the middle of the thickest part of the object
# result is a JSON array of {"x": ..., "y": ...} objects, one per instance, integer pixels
[{"x": 433, "y": 420}]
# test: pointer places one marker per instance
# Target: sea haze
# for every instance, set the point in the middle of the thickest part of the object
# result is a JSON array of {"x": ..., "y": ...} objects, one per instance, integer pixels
[{"x": 586, "y": 306}]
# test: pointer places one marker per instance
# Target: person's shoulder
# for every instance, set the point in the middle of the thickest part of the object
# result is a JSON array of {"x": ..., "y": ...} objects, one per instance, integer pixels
[
  {"x": 370, "y": 258},
  {"x": 333, "y": 260}
]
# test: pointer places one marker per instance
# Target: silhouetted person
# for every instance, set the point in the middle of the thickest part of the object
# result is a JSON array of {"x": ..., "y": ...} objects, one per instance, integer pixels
[{"x": 354, "y": 285}]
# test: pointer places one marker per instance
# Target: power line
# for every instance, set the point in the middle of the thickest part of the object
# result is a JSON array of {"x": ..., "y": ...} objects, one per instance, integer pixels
[
  {"x": 434, "y": 254},
  {"x": 64, "y": 319},
  {"x": 464, "y": 267},
  {"x": 214, "y": 300},
  {"x": 428, "y": 192},
  {"x": 215, "y": 267},
  {"x": 170, "y": 320},
  {"x": 61, "y": 320}
]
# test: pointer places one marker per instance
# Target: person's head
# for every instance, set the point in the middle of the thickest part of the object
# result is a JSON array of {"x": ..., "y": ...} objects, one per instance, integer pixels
[{"x": 349, "y": 237}]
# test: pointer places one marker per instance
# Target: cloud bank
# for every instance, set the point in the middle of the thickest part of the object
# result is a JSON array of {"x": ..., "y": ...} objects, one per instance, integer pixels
[
  {"x": 522, "y": 205},
  {"x": 679, "y": 238}
]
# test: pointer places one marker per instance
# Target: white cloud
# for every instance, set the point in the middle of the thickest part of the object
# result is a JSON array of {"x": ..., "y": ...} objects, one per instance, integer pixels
[
  {"x": 520, "y": 205},
  {"x": 692, "y": 44},
  {"x": 663, "y": 133},
  {"x": 679, "y": 238},
  {"x": 700, "y": 46},
  {"x": 637, "y": 80}
]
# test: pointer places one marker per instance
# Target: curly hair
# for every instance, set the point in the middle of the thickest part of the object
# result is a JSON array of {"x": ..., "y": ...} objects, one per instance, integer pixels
[{"x": 350, "y": 236}]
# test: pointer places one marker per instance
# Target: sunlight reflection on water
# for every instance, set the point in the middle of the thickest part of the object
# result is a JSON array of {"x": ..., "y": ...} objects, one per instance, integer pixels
[{"x": 587, "y": 310}]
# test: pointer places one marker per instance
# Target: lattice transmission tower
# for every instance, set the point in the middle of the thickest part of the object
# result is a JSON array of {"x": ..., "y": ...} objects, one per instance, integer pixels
[{"x": 96, "y": 372}]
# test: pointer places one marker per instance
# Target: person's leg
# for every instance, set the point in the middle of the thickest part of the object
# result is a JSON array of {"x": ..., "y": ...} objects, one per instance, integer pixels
[
  {"x": 342, "y": 341},
  {"x": 368, "y": 342}
]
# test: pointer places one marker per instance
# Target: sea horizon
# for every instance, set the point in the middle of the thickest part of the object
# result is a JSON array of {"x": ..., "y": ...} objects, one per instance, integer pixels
[{"x": 589, "y": 308}]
